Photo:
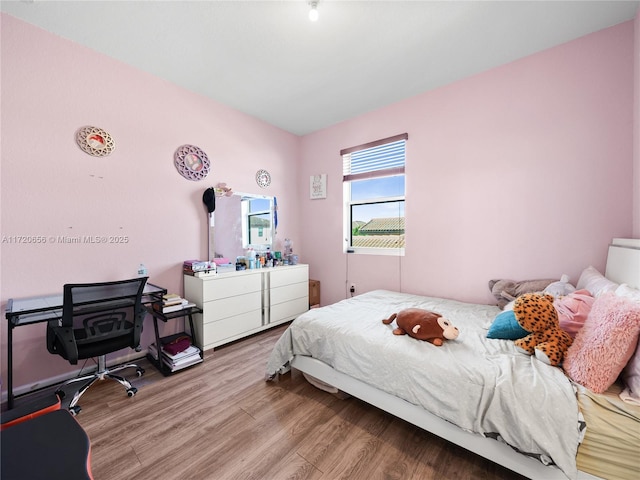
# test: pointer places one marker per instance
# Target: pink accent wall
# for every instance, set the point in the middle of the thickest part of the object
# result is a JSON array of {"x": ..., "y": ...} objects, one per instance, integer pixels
[
  {"x": 50, "y": 88},
  {"x": 522, "y": 172}
]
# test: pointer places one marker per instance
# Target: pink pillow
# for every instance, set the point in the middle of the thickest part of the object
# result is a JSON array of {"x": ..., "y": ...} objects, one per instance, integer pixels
[
  {"x": 605, "y": 343},
  {"x": 573, "y": 310}
]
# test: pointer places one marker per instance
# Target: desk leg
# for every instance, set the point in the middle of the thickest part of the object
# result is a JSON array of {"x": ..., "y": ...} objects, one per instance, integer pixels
[
  {"x": 194, "y": 340},
  {"x": 10, "y": 366},
  {"x": 192, "y": 331},
  {"x": 158, "y": 346}
]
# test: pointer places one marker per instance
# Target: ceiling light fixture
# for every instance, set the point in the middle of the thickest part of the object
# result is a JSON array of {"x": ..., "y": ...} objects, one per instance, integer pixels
[{"x": 313, "y": 13}]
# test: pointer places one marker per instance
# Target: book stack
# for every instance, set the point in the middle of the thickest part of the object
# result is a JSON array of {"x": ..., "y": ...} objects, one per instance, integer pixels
[
  {"x": 172, "y": 302},
  {"x": 176, "y": 360}
]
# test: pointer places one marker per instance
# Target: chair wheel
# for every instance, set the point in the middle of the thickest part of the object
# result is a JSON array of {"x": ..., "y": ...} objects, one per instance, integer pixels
[
  {"x": 75, "y": 410},
  {"x": 139, "y": 371},
  {"x": 132, "y": 391}
]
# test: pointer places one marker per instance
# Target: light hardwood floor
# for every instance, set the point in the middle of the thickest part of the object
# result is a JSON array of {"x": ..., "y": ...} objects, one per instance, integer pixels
[{"x": 220, "y": 420}]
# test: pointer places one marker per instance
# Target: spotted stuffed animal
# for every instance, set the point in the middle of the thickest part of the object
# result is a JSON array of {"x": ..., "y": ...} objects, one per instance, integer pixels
[{"x": 536, "y": 314}]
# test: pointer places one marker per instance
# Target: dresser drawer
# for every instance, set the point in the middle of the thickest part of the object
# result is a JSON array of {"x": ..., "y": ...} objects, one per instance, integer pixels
[
  {"x": 288, "y": 292},
  {"x": 231, "y": 286},
  {"x": 217, "y": 333},
  {"x": 282, "y": 276},
  {"x": 228, "y": 307},
  {"x": 289, "y": 310}
]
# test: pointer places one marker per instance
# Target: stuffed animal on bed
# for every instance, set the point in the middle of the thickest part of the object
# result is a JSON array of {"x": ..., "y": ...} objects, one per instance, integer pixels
[
  {"x": 423, "y": 325},
  {"x": 507, "y": 291},
  {"x": 536, "y": 314},
  {"x": 560, "y": 288}
]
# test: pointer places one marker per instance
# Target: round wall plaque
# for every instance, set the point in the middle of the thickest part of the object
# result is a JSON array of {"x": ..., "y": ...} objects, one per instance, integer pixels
[
  {"x": 95, "y": 141},
  {"x": 263, "y": 178},
  {"x": 192, "y": 162}
]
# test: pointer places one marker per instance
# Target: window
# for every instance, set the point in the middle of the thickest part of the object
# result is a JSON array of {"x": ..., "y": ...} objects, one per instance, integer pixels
[{"x": 373, "y": 191}]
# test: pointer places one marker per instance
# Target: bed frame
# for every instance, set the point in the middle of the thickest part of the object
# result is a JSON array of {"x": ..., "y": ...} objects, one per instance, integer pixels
[
  {"x": 623, "y": 266},
  {"x": 623, "y": 261}
]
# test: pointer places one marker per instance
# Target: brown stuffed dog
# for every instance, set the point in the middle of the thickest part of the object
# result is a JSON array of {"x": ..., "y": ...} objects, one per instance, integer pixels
[{"x": 423, "y": 325}]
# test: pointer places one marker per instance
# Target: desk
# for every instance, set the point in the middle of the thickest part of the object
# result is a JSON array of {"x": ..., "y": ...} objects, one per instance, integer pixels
[{"x": 30, "y": 310}]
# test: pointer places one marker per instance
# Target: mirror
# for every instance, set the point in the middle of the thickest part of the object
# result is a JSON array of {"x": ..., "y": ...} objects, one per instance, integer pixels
[{"x": 241, "y": 221}]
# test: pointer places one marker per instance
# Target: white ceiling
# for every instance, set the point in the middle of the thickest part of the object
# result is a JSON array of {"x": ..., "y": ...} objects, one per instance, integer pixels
[{"x": 267, "y": 59}]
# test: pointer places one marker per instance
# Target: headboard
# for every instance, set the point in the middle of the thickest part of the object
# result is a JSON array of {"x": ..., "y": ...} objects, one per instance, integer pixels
[{"x": 623, "y": 261}]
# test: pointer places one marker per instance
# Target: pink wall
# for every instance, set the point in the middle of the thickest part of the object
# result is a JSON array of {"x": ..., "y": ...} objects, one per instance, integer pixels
[
  {"x": 524, "y": 171},
  {"x": 50, "y": 88}
]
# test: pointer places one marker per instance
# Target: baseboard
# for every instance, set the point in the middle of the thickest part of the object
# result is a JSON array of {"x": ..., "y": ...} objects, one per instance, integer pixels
[{"x": 48, "y": 382}]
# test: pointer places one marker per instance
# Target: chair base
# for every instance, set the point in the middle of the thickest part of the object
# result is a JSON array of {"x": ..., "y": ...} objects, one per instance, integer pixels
[{"x": 102, "y": 373}]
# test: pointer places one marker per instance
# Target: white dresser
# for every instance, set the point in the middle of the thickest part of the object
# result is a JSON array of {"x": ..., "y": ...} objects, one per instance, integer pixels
[{"x": 238, "y": 304}]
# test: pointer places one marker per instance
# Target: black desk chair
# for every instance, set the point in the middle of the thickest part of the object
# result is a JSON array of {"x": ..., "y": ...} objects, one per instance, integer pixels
[{"x": 98, "y": 318}]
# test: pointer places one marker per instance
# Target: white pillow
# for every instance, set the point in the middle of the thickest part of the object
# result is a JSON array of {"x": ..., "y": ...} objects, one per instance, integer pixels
[
  {"x": 631, "y": 373},
  {"x": 631, "y": 378},
  {"x": 625, "y": 290},
  {"x": 596, "y": 283}
]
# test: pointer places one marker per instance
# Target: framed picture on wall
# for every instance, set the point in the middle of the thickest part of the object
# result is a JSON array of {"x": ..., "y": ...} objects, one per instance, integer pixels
[{"x": 318, "y": 186}]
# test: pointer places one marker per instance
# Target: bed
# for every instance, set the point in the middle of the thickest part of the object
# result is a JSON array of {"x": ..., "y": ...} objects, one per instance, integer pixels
[{"x": 514, "y": 409}]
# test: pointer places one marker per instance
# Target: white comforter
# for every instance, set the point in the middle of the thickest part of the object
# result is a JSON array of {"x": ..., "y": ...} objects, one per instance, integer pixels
[{"x": 482, "y": 385}]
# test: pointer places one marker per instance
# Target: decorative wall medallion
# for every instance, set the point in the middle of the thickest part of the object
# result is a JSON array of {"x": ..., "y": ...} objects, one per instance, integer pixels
[
  {"x": 263, "y": 178},
  {"x": 192, "y": 162},
  {"x": 95, "y": 141}
]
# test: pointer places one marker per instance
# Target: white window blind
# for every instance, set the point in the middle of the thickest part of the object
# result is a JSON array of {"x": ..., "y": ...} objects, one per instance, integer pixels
[{"x": 381, "y": 158}]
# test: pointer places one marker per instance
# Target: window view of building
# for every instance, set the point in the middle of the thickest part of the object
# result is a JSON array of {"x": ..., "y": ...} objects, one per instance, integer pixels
[{"x": 379, "y": 233}]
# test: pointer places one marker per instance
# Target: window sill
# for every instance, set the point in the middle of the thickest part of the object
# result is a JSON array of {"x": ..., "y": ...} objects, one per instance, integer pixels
[{"x": 396, "y": 252}]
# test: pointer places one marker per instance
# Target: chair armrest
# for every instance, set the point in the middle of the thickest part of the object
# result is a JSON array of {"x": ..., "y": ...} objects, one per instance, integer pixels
[
  {"x": 62, "y": 338},
  {"x": 140, "y": 315}
]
